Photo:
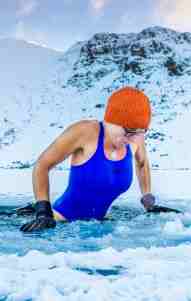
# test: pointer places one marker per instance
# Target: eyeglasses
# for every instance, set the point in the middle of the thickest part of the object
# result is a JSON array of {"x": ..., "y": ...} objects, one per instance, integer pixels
[{"x": 134, "y": 131}]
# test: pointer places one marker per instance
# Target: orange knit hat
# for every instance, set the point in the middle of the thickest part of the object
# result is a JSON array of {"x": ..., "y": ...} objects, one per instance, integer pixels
[{"x": 128, "y": 107}]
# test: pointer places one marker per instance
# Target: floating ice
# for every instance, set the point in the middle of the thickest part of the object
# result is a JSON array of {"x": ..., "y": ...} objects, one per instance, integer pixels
[{"x": 148, "y": 274}]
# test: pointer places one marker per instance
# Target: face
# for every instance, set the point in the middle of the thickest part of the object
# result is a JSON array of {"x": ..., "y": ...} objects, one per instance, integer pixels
[{"x": 120, "y": 136}]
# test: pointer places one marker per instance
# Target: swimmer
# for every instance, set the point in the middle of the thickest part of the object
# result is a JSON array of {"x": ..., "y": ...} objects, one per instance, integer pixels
[{"x": 102, "y": 154}]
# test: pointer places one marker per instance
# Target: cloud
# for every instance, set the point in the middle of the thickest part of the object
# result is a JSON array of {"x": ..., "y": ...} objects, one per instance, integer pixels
[
  {"x": 99, "y": 5},
  {"x": 134, "y": 18},
  {"x": 176, "y": 14},
  {"x": 20, "y": 30},
  {"x": 26, "y": 7}
]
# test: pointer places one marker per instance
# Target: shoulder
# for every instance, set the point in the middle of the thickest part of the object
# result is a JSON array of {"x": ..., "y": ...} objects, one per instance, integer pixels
[
  {"x": 86, "y": 124},
  {"x": 85, "y": 127},
  {"x": 74, "y": 138},
  {"x": 84, "y": 130},
  {"x": 82, "y": 127}
]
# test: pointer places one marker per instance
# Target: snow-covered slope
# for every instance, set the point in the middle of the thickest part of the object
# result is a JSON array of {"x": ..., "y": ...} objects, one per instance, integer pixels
[{"x": 42, "y": 91}]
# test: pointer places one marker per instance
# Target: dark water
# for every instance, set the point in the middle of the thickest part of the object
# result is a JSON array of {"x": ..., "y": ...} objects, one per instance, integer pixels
[{"x": 127, "y": 227}]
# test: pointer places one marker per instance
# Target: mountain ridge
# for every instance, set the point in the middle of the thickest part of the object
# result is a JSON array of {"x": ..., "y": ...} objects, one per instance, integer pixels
[{"x": 43, "y": 91}]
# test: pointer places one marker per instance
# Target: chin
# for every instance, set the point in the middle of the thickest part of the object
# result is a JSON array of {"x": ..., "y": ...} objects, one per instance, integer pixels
[{"x": 120, "y": 144}]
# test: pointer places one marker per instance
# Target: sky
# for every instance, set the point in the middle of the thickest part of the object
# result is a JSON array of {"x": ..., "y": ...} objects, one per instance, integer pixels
[{"x": 59, "y": 24}]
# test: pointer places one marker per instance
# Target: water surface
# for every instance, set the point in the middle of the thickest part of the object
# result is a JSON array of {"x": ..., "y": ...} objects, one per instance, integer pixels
[{"x": 130, "y": 255}]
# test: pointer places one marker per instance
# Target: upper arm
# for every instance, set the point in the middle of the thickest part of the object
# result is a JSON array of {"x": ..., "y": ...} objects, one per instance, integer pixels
[
  {"x": 64, "y": 145},
  {"x": 141, "y": 154}
]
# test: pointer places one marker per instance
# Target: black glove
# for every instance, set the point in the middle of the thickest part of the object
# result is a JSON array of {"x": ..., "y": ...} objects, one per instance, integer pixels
[
  {"x": 44, "y": 218},
  {"x": 148, "y": 201},
  {"x": 159, "y": 209},
  {"x": 29, "y": 209}
]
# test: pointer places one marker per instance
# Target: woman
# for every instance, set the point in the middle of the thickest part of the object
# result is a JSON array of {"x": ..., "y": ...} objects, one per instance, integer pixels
[{"x": 101, "y": 162}]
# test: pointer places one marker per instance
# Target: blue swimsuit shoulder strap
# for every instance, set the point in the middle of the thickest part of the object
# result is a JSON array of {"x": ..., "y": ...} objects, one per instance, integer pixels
[
  {"x": 101, "y": 137},
  {"x": 129, "y": 150},
  {"x": 100, "y": 146}
]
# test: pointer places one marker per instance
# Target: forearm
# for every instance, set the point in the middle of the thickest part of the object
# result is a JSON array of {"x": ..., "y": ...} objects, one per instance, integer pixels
[
  {"x": 40, "y": 179},
  {"x": 144, "y": 177}
]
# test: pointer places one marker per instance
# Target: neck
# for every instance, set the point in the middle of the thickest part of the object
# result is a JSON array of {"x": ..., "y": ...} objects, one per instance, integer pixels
[{"x": 107, "y": 140}]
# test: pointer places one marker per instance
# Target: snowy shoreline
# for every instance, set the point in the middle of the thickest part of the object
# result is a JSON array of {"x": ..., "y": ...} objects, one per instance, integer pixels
[{"x": 165, "y": 183}]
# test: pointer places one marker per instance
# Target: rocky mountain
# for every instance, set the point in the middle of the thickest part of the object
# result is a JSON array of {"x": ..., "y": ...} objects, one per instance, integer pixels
[
  {"x": 131, "y": 55},
  {"x": 42, "y": 90}
]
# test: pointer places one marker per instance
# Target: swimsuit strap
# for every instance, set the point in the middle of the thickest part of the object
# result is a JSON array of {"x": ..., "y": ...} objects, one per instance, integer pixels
[
  {"x": 101, "y": 142},
  {"x": 101, "y": 138}
]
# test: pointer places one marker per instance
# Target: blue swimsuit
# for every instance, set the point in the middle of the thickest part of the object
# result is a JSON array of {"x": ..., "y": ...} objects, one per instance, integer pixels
[{"x": 95, "y": 184}]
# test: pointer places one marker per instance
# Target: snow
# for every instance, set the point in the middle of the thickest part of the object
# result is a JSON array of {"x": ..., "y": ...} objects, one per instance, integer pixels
[
  {"x": 153, "y": 274},
  {"x": 38, "y": 103},
  {"x": 39, "y": 99},
  {"x": 166, "y": 184}
]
